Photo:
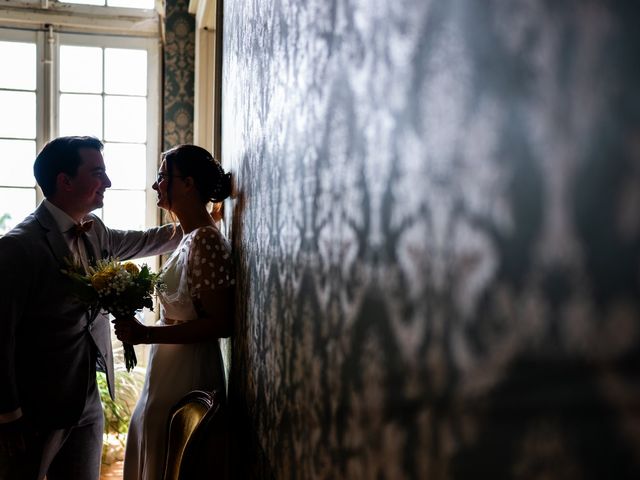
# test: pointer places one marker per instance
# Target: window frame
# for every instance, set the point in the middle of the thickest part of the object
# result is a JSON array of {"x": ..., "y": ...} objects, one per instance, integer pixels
[
  {"x": 47, "y": 77},
  {"x": 152, "y": 216}
]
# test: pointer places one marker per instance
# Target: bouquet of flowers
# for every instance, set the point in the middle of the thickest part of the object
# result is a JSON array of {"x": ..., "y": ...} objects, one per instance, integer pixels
[{"x": 119, "y": 288}]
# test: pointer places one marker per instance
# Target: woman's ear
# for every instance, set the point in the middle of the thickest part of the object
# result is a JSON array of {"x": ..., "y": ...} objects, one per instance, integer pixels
[{"x": 189, "y": 184}]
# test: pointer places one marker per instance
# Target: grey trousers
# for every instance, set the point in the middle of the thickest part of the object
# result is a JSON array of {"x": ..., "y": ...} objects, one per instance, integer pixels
[{"x": 64, "y": 454}]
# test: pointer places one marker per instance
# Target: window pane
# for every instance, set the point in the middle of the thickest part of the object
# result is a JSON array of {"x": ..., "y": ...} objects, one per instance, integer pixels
[
  {"x": 18, "y": 114},
  {"x": 131, "y": 3},
  {"x": 126, "y": 165},
  {"x": 125, "y": 71},
  {"x": 124, "y": 209},
  {"x": 16, "y": 162},
  {"x": 81, "y": 115},
  {"x": 125, "y": 119},
  {"x": 84, "y": 2},
  {"x": 15, "y": 205},
  {"x": 22, "y": 59},
  {"x": 80, "y": 69}
]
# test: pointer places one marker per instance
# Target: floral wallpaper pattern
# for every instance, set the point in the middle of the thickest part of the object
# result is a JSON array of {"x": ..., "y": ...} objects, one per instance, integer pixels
[
  {"x": 437, "y": 231},
  {"x": 179, "y": 61}
]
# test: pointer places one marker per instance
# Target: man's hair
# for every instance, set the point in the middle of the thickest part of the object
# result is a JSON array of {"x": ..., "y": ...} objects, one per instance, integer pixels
[{"x": 61, "y": 155}]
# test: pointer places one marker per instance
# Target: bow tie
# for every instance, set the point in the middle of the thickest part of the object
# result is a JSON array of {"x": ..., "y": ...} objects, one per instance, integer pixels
[{"x": 81, "y": 228}]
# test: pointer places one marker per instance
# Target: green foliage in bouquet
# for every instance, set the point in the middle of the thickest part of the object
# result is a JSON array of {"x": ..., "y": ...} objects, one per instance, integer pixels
[{"x": 119, "y": 288}]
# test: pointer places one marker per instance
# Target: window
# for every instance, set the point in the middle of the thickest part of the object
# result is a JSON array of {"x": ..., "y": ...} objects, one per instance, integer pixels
[
  {"x": 115, "y": 3},
  {"x": 18, "y": 86},
  {"x": 56, "y": 83}
]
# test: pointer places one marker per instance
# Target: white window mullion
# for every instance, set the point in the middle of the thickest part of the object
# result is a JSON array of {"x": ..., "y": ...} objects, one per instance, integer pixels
[{"x": 154, "y": 127}]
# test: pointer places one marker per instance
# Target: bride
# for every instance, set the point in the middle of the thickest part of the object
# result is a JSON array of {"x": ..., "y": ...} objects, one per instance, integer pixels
[{"x": 196, "y": 306}]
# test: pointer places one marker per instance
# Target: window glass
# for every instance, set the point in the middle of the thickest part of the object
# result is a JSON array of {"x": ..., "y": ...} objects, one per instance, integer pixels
[
  {"x": 81, "y": 115},
  {"x": 17, "y": 114},
  {"x": 15, "y": 205},
  {"x": 125, "y": 119},
  {"x": 124, "y": 209},
  {"x": 126, "y": 165},
  {"x": 125, "y": 71},
  {"x": 83, "y": 2},
  {"x": 21, "y": 57},
  {"x": 148, "y": 4},
  {"x": 16, "y": 162},
  {"x": 80, "y": 69}
]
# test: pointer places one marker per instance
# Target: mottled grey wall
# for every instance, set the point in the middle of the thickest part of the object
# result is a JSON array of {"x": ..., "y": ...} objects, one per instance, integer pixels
[
  {"x": 438, "y": 238},
  {"x": 179, "y": 67}
]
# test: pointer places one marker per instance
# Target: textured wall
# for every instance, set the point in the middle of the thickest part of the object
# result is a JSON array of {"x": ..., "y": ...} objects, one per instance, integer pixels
[
  {"x": 438, "y": 237},
  {"x": 179, "y": 62}
]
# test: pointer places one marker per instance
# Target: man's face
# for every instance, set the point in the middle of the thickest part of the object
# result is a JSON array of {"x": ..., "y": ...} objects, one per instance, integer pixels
[{"x": 90, "y": 182}]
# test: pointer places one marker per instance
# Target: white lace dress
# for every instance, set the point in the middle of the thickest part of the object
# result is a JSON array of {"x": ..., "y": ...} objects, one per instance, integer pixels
[{"x": 201, "y": 262}]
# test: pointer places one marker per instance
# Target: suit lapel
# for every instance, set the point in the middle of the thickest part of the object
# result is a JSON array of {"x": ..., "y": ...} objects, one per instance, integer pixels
[
  {"x": 90, "y": 246},
  {"x": 56, "y": 241}
]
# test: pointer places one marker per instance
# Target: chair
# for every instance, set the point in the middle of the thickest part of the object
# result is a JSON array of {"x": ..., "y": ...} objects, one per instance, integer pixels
[
  {"x": 196, "y": 439},
  {"x": 207, "y": 453}
]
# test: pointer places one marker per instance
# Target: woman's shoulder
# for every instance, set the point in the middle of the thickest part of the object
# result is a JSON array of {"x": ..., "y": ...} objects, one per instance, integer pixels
[
  {"x": 207, "y": 231},
  {"x": 209, "y": 235}
]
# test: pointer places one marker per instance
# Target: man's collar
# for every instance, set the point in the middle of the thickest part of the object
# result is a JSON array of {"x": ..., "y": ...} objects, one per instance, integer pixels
[{"x": 62, "y": 219}]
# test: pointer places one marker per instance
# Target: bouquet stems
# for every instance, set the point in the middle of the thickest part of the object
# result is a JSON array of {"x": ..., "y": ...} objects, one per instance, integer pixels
[{"x": 130, "y": 360}]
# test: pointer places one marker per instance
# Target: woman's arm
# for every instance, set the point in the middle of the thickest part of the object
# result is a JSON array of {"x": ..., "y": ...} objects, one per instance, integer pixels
[
  {"x": 210, "y": 273},
  {"x": 215, "y": 320}
]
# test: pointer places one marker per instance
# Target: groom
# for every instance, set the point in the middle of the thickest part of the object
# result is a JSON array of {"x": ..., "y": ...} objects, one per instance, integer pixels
[{"x": 51, "y": 420}]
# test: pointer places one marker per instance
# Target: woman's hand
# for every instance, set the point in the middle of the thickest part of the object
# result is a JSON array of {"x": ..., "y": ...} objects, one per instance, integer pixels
[
  {"x": 130, "y": 330},
  {"x": 216, "y": 212}
]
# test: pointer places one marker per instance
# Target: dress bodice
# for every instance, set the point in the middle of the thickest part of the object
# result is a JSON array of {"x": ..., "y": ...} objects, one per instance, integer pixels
[
  {"x": 175, "y": 300},
  {"x": 202, "y": 261}
]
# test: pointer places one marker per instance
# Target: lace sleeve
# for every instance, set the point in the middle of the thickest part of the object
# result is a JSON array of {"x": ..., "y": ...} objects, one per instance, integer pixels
[{"x": 210, "y": 264}]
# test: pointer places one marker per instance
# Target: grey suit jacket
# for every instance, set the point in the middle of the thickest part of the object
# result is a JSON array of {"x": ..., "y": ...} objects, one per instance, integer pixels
[{"x": 47, "y": 345}]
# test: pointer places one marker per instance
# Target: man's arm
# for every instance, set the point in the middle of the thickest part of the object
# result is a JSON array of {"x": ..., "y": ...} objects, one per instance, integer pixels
[
  {"x": 15, "y": 271},
  {"x": 127, "y": 244}
]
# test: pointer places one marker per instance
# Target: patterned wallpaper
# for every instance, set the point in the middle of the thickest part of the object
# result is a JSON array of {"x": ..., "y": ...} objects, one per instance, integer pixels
[
  {"x": 438, "y": 238},
  {"x": 179, "y": 59}
]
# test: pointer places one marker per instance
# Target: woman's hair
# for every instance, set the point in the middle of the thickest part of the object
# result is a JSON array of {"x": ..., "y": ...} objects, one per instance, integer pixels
[{"x": 211, "y": 181}]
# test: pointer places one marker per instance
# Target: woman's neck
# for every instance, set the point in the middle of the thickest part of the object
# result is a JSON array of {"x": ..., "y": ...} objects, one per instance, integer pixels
[{"x": 194, "y": 218}]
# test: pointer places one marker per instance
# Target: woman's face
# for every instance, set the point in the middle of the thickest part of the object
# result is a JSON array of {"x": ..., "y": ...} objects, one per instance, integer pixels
[{"x": 161, "y": 186}]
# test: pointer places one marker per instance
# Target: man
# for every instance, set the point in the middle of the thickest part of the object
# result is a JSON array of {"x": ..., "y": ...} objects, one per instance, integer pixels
[{"x": 51, "y": 420}]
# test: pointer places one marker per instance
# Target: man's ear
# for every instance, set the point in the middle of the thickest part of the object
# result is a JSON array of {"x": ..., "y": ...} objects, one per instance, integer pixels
[{"x": 63, "y": 182}]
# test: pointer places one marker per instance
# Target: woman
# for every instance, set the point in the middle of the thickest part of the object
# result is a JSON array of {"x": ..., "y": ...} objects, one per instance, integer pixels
[{"x": 196, "y": 306}]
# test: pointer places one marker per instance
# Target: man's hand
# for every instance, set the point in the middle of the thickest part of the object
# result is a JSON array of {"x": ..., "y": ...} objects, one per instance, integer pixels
[{"x": 130, "y": 330}]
